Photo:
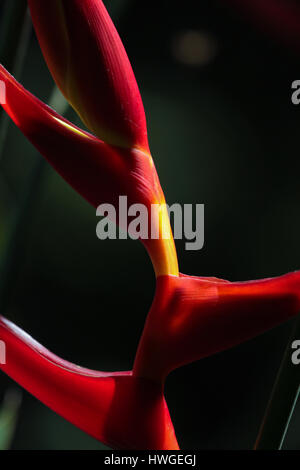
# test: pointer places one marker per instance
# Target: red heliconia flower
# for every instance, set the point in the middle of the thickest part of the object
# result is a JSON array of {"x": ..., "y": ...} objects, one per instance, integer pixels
[{"x": 191, "y": 317}]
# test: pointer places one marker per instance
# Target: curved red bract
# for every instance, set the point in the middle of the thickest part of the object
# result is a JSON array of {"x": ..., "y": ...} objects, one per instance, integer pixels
[
  {"x": 87, "y": 59},
  {"x": 116, "y": 408},
  {"x": 193, "y": 317}
]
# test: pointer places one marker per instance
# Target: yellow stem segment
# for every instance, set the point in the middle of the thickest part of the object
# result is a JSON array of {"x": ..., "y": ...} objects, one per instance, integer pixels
[{"x": 162, "y": 250}]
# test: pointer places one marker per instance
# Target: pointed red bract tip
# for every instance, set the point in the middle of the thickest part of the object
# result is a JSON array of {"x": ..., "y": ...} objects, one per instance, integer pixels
[{"x": 89, "y": 64}]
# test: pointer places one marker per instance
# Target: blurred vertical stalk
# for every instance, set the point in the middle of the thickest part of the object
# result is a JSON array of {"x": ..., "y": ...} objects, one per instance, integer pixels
[
  {"x": 13, "y": 21},
  {"x": 14, "y": 252},
  {"x": 15, "y": 30},
  {"x": 15, "y": 249},
  {"x": 14, "y": 40},
  {"x": 8, "y": 417},
  {"x": 282, "y": 402}
]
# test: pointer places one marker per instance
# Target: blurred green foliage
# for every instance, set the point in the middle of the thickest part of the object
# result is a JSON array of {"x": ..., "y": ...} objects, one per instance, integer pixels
[{"x": 8, "y": 417}]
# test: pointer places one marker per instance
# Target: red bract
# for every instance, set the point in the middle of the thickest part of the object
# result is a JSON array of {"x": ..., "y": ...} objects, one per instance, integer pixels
[
  {"x": 194, "y": 317},
  {"x": 89, "y": 64},
  {"x": 116, "y": 408},
  {"x": 191, "y": 317},
  {"x": 99, "y": 171}
]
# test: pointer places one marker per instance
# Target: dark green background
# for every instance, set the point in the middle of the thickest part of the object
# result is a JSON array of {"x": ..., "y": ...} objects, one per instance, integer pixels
[{"x": 223, "y": 133}]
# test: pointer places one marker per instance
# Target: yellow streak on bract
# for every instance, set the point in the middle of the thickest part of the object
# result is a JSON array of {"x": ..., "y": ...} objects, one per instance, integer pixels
[
  {"x": 71, "y": 128},
  {"x": 164, "y": 256}
]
